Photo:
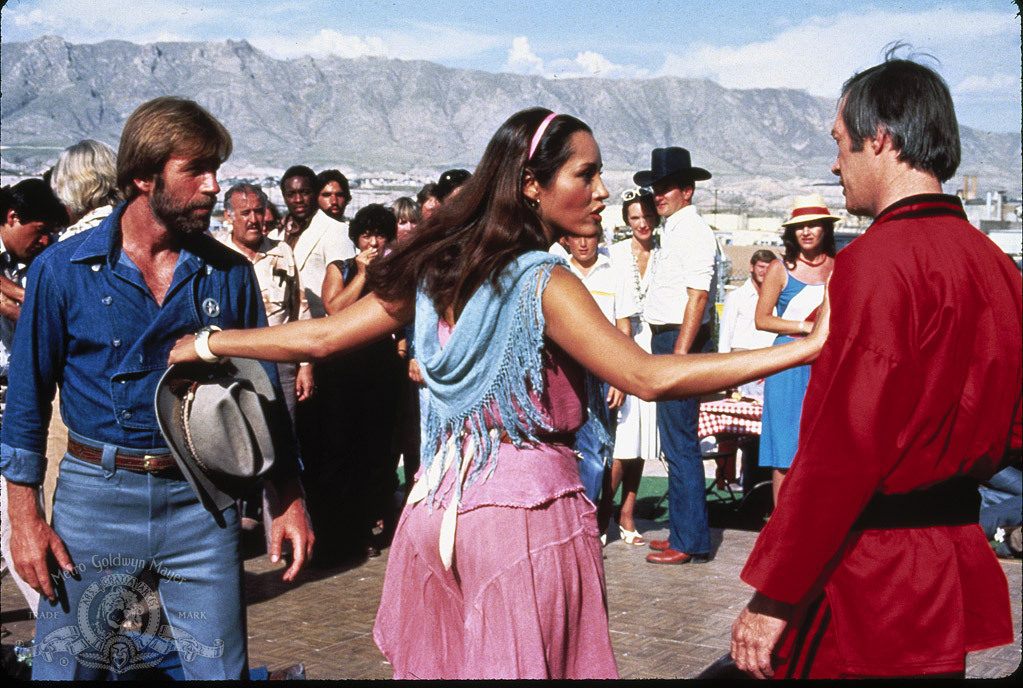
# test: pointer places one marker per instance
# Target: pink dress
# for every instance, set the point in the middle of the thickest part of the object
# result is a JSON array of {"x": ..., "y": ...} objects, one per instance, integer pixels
[{"x": 525, "y": 595}]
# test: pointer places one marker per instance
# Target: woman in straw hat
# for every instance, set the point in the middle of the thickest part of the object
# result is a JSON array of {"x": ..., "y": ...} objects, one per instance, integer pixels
[
  {"x": 503, "y": 333},
  {"x": 794, "y": 288}
]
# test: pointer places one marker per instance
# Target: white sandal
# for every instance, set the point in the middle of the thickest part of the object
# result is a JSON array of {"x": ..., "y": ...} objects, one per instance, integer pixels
[{"x": 631, "y": 537}]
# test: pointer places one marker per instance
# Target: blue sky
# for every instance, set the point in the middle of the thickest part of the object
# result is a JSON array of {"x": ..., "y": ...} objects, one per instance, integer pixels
[{"x": 813, "y": 46}]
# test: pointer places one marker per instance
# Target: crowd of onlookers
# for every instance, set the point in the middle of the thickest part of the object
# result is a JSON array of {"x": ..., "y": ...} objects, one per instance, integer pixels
[{"x": 358, "y": 416}]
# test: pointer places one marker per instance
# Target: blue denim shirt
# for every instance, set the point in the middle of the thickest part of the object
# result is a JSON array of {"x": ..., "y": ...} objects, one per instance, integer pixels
[{"x": 90, "y": 324}]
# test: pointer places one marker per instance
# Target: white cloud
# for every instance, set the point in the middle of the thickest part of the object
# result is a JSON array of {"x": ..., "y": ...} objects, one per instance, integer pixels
[
  {"x": 991, "y": 83},
  {"x": 330, "y": 42},
  {"x": 31, "y": 18},
  {"x": 596, "y": 64},
  {"x": 818, "y": 54},
  {"x": 423, "y": 42},
  {"x": 88, "y": 21},
  {"x": 523, "y": 60}
]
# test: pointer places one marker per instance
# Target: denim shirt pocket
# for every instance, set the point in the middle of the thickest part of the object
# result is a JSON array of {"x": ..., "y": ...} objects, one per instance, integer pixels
[{"x": 198, "y": 304}]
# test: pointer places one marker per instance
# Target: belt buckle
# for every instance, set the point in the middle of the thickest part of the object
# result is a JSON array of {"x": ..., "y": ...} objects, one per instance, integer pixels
[{"x": 147, "y": 463}]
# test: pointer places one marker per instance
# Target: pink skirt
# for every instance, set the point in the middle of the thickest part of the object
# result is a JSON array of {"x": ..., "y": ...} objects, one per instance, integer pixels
[{"x": 524, "y": 598}]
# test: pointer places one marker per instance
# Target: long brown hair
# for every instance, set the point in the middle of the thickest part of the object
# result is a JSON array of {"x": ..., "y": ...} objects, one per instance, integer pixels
[
  {"x": 788, "y": 239},
  {"x": 473, "y": 236}
]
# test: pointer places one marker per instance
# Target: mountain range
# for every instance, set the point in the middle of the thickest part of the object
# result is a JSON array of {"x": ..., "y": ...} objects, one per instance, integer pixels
[{"x": 375, "y": 116}]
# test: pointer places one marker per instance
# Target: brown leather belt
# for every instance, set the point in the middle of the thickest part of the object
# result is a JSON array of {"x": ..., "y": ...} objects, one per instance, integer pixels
[{"x": 136, "y": 462}]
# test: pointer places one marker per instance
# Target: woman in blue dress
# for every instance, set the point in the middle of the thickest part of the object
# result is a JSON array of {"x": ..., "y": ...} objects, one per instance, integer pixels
[{"x": 794, "y": 289}]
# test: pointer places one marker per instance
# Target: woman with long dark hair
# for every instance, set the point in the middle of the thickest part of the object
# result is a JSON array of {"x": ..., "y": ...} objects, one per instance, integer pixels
[
  {"x": 794, "y": 287},
  {"x": 496, "y": 567}
]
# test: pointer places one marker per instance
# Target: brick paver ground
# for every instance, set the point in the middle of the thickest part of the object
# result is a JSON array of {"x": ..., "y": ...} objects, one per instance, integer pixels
[{"x": 666, "y": 621}]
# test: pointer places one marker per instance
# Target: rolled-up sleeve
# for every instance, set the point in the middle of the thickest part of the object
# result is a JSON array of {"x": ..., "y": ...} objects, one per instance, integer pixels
[
  {"x": 699, "y": 255},
  {"x": 40, "y": 343}
]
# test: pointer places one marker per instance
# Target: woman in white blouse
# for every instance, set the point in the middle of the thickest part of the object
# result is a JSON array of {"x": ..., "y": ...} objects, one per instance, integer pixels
[{"x": 636, "y": 437}]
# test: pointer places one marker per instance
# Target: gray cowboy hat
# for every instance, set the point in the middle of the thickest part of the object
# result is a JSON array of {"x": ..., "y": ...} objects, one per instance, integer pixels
[
  {"x": 215, "y": 419},
  {"x": 665, "y": 162}
]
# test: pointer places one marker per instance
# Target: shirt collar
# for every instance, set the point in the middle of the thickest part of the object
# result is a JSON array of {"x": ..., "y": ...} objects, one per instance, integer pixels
[
  {"x": 679, "y": 214},
  {"x": 266, "y": 245},
  {"x": 102, "y": 244},
  {"x": 923, "y": 205}
]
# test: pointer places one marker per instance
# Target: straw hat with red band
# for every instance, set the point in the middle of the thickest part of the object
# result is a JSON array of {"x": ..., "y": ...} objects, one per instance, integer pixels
[{"x": 809, "y": 208}]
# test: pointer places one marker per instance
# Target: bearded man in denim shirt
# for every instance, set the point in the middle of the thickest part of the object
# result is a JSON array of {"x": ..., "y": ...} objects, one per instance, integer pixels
[{"x": 102, "y": 311}]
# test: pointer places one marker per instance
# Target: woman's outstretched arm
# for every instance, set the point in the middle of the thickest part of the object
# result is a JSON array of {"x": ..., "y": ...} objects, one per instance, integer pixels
[
  {"x": 576, "y": 324},
  {"x": 770, "y": 291},
  {"x": 364, "y": 322}
]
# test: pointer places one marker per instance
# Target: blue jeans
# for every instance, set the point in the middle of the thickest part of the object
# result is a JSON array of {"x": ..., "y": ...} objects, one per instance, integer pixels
[
  {"x": 118, "y": 525},
  {"x": 592, "y": 464},
  {"x": 1001, "y": 500},
  {"x": 677, "y": 423}
]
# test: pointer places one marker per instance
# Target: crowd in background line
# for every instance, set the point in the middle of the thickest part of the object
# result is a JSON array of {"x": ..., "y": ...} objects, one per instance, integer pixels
[{"x": 358, "y": 417}]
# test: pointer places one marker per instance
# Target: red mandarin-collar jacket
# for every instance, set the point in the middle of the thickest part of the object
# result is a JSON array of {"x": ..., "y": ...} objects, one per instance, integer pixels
[{"x": 920, "y": 381}]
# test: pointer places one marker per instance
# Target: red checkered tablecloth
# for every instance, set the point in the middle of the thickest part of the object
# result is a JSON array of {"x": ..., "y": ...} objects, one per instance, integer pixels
[{"x": 728, "y": 415}]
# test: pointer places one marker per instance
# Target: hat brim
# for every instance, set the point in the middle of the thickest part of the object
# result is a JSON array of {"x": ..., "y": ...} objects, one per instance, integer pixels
[
  {"x": 214, "y": 494},
  {"x": 804, "y": 219},
  {"x": 693, "y": 174}
]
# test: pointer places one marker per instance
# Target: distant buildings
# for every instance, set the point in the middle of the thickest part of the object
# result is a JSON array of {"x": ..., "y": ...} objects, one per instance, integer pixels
[{"x": 995, "y": 214}]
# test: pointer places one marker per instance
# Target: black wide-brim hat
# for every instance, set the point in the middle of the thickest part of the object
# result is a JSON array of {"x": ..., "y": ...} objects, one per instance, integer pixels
[{"x": 665, "y": 162}]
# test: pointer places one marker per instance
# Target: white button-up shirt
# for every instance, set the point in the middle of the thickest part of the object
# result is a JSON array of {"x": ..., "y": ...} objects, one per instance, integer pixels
[
  {"x": 738, "y": 321},
  {"x": 604, "y": 282},
  {"x": 278, "y": 278},
  {"x": 687, "y": 259}
]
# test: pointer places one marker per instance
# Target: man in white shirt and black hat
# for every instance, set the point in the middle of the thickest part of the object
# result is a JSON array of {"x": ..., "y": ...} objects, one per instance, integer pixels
[{"x": 680, "y": 312}]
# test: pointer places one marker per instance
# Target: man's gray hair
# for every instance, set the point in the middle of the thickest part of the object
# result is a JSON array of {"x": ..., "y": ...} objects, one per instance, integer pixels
[{"x": 243, "y": 187}]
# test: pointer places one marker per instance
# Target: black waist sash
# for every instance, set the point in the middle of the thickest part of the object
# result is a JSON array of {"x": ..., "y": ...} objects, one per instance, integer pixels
[{"x": 954, "y": 502}]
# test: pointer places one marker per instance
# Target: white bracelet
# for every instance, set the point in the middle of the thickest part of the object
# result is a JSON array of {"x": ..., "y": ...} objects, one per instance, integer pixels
[{"x": 202, "y": 344}]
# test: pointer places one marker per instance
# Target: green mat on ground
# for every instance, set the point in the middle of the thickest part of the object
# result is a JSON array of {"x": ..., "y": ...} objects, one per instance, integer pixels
[{"x": 724, "y": 511}]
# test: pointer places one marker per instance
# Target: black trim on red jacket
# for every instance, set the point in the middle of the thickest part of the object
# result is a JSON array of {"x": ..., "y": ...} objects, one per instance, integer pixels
[{"x": 922, "y": 205}]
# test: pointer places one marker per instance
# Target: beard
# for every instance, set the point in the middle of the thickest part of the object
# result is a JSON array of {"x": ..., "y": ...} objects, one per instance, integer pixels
[{"x": 179, "y": 217}]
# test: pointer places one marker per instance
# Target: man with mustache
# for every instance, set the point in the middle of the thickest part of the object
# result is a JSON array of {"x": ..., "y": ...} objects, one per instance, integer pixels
[
  {"x": 101, "y": 313},
  {"x": 333, "y": 195}
]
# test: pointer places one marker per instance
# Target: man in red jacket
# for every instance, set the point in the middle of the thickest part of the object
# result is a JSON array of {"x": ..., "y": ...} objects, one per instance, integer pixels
[{"x": 873, "y": 564}]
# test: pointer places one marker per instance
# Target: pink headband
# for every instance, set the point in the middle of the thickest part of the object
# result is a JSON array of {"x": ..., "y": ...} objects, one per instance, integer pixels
[{"x": 539, "y": 134}]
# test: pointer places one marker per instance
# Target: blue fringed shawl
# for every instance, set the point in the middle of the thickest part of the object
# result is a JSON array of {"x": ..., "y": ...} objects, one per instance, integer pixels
[
  {"x": 481, "y": 381},
  {"x": 491, "y": 362}
]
